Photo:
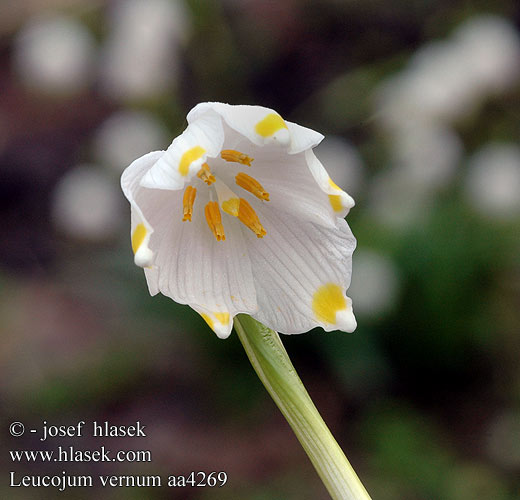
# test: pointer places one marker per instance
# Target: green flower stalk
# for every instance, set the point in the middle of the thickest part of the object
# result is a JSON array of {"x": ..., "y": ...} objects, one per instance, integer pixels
[{"x": 274, "y": 368}]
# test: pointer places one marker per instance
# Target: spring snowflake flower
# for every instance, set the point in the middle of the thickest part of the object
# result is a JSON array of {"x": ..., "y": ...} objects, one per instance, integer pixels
[{"x": 239, "y": 216}]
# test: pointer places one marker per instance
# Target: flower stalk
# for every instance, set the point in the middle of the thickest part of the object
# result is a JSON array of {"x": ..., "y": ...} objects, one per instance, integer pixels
[{"x": 272, "y": 364}]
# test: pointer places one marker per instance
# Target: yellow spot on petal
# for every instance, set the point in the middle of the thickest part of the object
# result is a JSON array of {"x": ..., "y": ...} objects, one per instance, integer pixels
[
  {"x": 138, "y": 237},
  {"x": 231, "y": 206},
  {"x": 188, "y": 158},
  {"x": 248, "y": 217},
  {"x": 187, "y": 203},
  {"x": 269, "y": 125},
  {"x": 214, "y": 220},
  {"x": 252, "y": 185},
  {"x": 327, "y": 301},
  {"x": 223, "y": 317},
  {"x": 335, "y": 201},
  {"x": 333, "y": 185},
  {"x": 236, "y": 156},
  {"x": 208, "y": 320}
]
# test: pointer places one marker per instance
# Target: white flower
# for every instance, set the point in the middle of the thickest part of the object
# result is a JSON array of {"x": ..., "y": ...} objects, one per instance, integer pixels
[
  {"x": 54, "y": 53},
  {"x": 140, "y": 57},
  {"x": 73, "y": 211},
  {"x": 125, "y": 135},
  {"x": 239, "y": 216},
  {"x": 493, "y": 181}
]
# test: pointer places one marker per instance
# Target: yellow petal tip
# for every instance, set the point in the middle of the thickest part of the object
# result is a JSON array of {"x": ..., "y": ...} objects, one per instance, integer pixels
[{"x": 328, "y": 302}]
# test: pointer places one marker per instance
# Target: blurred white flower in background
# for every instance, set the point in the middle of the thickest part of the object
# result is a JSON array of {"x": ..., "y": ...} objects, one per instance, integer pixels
[
  {"x": 503, "y": 439},
  {"x": 446, "y": 80},
  {"x": 375, "y": 283},
  {"x": 125, "y": 136},
  {"x": 432, "y": 87},
  {"x": 491, "y": 46},
  {"x": 493, "y": 180},
  {"x": 343, "y": 163},
  {"x": 428, "y": 155},
  {"x": 87, "y": 204},
  {"x": 394, "y": 200},
  {"x": 140, "y": 54},
  {"x": 54, "y": 53}
]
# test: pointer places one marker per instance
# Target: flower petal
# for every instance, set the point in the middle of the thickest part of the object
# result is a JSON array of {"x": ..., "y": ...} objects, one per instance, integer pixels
[
  {"x": 302, "y": 138},
  {"x": 260, "y": 125},
  {"x": 287, "y": 179},
  {"x": 213, "y": 277},
  {"x": 340, "y": 201},
  {"x": 220, "y": 322},
  {"x": 202, "y": 138},
  {"x": 301, "y": 272},
  {"x": 140, "y": 228},
  {"x": 292, "y": 187}
]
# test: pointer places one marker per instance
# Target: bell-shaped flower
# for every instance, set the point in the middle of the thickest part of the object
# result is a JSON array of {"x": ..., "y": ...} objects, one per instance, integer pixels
[{"x": 239, "y": 216}]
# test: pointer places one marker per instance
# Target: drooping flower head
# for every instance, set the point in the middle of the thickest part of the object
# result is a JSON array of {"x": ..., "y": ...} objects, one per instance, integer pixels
[{"x": 239, "y": 216}]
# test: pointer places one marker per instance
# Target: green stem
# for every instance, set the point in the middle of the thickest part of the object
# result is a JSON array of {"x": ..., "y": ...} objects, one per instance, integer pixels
[{"x": 272, "y": 364}]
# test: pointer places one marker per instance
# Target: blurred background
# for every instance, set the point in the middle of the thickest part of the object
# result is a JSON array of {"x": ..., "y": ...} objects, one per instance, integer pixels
[{"x": 419, "y": 102}]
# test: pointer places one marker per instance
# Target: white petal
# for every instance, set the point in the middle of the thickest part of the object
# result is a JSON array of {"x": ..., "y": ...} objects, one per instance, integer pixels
[
  {"x": 202, "y": 138},
  {"x": 289, "y": 181},
  {"x": 141, "y": 230},
  {"x": 260, "y": 125},
  {"x": 339, "y": 201},
  {"x": 292, "y": 263},
  {"x": 302, "y": 138},
  {"x": 220, "y": 322},
  {"x": 213, "y": 277},
  {"x": 292, "y": 188}
]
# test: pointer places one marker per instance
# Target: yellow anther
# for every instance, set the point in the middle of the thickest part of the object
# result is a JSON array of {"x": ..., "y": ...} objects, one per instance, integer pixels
[
  {"x": 187, "y": 203},
  {"x": 236, "y": 156},
  {"x": 214, "y": 220},
  {"x": 252, "y": 185},
  {"x": 205, "y": 174},
  {"x": 248, "y": 217}
]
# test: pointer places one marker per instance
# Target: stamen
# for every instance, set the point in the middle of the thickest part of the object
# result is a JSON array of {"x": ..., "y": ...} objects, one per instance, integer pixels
[
  {"x": 205, "y": 174},
  {"x": 214, "y": 220},
  {"x": 248, "y": 217},
  {"x": 236, "y": 156},
  {"x": 252, "y": 185},
  {"x": 187, "y": 203}
]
